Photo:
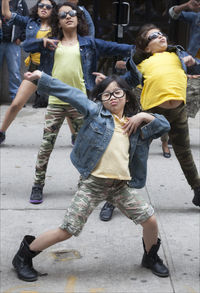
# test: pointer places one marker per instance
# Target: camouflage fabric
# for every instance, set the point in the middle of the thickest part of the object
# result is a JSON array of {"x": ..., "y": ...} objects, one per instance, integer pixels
[
  {"x": 54, "y": 118},
  {"x": 193, "y": 96},
  {"x": 179, "y": 135},
  {"x": 94, "y": 190}
]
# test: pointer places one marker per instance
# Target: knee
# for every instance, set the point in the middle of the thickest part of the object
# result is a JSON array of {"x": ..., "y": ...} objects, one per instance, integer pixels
[
  {"x": 63, "y": 235},
  {"x": 150, "y": 223}
]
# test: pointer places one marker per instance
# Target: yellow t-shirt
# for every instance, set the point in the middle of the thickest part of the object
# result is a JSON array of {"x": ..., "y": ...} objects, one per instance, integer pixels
[
  {"x": 114, "y": 162},
  {"x": 67, "y": 68},
  {"x": 164, "y": 80},
  {"x": 35, "y": 57},
  {"x": 198, "y": 54}
]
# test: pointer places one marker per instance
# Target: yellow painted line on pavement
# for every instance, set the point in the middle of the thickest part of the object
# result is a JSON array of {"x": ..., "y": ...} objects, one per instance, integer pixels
[
  {"x": 70, "y": 287},
  {"x": 190, "y": 289},
  {"x": 96, "y": 290}
]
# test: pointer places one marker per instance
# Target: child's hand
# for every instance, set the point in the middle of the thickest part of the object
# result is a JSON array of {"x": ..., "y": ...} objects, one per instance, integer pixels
[
  {"x": 50, "y": 44},
  {"x": 33, "y": 75},
  {"x": 99, "y": 77},
  {"x": 135, "y": 121},
  {"x": 189, "y": 60},
  {"x": 193, "y": 5}
]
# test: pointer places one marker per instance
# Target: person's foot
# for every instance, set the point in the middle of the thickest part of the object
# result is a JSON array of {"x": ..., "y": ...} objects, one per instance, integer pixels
[
  {"x": 36, "y": 194},
  {"x": 106, "y": 212},
  {"x": 2, "y": 136},
  {"x": 73, "y": 138},
  {"x": 196, "y": 199},
  {"x": 166, "y": 151}
]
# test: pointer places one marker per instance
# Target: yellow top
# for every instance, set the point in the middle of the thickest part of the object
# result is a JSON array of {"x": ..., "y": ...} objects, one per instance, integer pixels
[
  {"x": 164, "y": 80},
  {"x": 35, "y": 57},
  {"x": 114, "y": 162},
  {"x": 198, "y": 54},
  {"x": 67, "y": 68}
]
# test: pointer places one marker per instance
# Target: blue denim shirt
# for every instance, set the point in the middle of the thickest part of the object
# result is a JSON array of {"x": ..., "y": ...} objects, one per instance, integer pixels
[
  {"x": 91, "y": 50},
  {"x": 97, "y": 130},
  {"x": 193, "y": 18},
  {"x": 135, "y": 77},
  {"x": 31, "y": 26}
]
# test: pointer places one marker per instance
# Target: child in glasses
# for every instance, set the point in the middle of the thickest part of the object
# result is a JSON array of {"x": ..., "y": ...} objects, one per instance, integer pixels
[
  {"x": 109, "y": 161},
  {"x": 161, "y": 70}
]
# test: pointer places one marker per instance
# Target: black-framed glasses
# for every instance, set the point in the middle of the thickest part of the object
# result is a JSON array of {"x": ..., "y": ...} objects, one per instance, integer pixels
[
  {"x": 47, "y": 6},
  {"x": 155, "y": 35},
  {"x": 63, "y": 14},
  {"x": 117, "y": 93}
]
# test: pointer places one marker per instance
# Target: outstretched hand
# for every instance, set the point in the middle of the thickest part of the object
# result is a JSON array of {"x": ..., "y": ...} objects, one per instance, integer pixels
[
  {"x": 189, "y": 60},
  {"x": 50, "y": 43},
  {"x": 193, "y": 5},
  {"x": 30, "y": 76},
  {"x": 99, "y": 77},
  {"x": 133, "y": 122}
]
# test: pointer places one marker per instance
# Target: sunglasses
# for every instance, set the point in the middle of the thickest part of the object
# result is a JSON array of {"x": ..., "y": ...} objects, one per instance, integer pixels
[
  {"x": 47, "y": 6},
  {"x": 154, "y": 36},
  {"x": 63, "y": 14}
]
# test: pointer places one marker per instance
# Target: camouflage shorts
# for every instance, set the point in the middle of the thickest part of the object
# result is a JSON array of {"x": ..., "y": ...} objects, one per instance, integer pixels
[
  {"x": 193, "y": 96},
  {"x": 93, "y": 191}
]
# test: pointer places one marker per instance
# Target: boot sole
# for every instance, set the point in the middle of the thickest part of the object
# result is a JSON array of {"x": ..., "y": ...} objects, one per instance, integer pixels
[
  {"x": 157, "y": 274},
  {"x": 22, "y": 278}
]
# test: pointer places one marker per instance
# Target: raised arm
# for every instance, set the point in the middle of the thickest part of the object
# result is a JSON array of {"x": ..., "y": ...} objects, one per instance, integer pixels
[
  {"x": 192, "y": 5},
  {"x": 6, "y": 9}
]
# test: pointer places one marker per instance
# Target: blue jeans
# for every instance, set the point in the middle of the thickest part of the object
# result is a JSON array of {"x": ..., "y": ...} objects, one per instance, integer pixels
[{"x": 12, "y": 53}]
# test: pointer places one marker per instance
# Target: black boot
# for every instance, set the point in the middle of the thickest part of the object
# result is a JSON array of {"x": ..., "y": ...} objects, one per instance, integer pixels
[
  {"x": 196, "y": 199},
  {"x": 106, "y": 212},
  {"x": 153, "y": 262},
  {"x": 22, "y": 261}
]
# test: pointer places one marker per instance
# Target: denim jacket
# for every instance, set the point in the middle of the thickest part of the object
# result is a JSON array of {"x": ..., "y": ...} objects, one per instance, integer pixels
[
  {"x": 31, "y": 26},
  {"x": 91, "y": 50},
  {"x": 135, "y": 77},
  {"x": 193, "y": 18},
  {"x": 97, "y": 130}
]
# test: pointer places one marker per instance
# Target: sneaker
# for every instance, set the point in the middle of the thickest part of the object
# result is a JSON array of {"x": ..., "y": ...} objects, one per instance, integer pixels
[
  {"x": 196, "y": 199},
  {"x": 36, "y": 194},
  {"x": 73, "y": 138},
  {"x": 2, "y": 136},
  {"x": 106, "y": 212}
]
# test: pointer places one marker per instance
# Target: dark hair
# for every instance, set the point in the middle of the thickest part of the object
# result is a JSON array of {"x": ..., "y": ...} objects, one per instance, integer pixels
[
  {"x": 142, "y": 42},
  {"x": 82, "y": 28},
  {"x": 52, "y": 18},
  {"x": 132, "y": 105}
]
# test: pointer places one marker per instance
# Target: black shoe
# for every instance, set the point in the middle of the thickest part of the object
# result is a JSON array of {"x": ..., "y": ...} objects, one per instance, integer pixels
[
  {"x": 22, "y": 261},
  {"x": 2, "y": 136},
  {"x": 73, "y": 138},
  {"x": 106, "y": 212},
  {"x": 196, "y": 199},
  {"x": 36, "y": 194},
  {"x": 166, "y": 154},
  {"x": 153, "y": 262}
]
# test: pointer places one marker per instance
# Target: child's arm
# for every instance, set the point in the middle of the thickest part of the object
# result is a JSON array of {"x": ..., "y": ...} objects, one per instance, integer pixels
[
  {"x": 137, "y": 120},
  {"x": 66, "y": 93},
  {"x": 37, "y": 45},
  {"x": 6, "y": 9},
  {"x": 155, "y": 125}
]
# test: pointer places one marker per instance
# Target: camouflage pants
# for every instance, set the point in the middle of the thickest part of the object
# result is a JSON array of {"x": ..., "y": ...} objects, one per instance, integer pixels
[
  {"x": 94, "y": 190},
  {"x": 179, "y": 135},
  {"x": 54, "y": 117},
  {"x": 193, "y": 96}
]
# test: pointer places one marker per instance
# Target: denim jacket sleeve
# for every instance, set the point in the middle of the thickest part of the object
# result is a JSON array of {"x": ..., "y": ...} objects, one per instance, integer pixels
[
  {"x": 89, "y": 21},
  {"x": 110, "y": 49},
  {"x": 133, "y": 76},
  {"x": 18, "y": 20},
  {"x": 33, "y": 45},
  {"x": 156, "y": 128},
  {"x": 68, "y": 94}
]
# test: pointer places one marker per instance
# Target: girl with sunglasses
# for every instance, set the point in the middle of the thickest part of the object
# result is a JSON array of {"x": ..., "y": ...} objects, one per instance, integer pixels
[
  {"x": 73, "y": 61},
  {"x": 38, "y": 25},
  {"x": 161, "y": 70},
  {"x": 103, "y": 154}
]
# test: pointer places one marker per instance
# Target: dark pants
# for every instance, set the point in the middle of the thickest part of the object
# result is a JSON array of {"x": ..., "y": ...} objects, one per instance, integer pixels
[{"x": 179, "y": 135}]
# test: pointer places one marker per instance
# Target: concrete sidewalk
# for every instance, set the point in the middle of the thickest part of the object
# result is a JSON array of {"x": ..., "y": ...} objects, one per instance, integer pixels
[{"x": 106, "y": 257}]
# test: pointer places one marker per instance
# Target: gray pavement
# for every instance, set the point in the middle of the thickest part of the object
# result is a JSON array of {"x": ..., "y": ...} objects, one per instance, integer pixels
[{"x": 106, "y": 257}]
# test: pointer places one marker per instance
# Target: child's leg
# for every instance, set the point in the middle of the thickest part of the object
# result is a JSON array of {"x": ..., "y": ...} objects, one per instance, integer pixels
[
  {"x": 150, "y": 232},
  {"x": 49, "y": 238},
  {"x": 25, "y": 90}
]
